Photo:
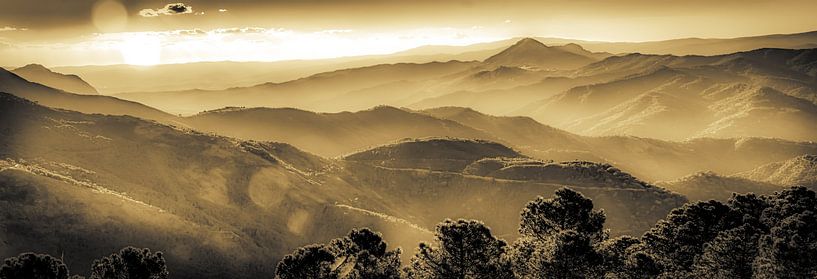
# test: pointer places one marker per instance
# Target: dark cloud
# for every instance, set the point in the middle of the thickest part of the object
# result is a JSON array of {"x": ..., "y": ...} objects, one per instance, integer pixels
[{"x": 169, "y": 9}]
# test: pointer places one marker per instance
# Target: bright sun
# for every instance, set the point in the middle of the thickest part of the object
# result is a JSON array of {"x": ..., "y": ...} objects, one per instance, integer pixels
[{"x": 141, "y": 49}]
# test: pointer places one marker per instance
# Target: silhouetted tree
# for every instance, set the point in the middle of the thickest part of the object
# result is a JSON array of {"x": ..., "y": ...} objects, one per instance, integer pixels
[
  {"x": 790, "y": 250},
  {"x": 362, "y": 254},
  {"x": 33, "y": 266},
  {"x": 572, "y": 255},
  {"x": 462, "y": 249},
  {"x": 676, "y": 240},
  {"x": 638, "y": 264},
  {"x": 750, "y": 236},
  {"x": 130, "y": 263},
  {"x": 787, "y": 203},
  {"x": 559, "y": 238},
  {"x": 568, "y": 210},
  {"x": 313, "y": 261},
  {"x": 729, "y": 255},
  {"x": 623, "y": 257}
]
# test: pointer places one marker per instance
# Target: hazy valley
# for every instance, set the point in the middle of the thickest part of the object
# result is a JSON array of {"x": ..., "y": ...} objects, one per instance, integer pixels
[{"x": 234, "y": 165}]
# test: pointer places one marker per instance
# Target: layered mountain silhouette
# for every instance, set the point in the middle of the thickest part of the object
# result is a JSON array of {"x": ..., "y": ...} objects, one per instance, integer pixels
[
  {"x": 765, "y": 93},
  {"x": 337, "y": 134},
  {"x": 47, "y": 96},
  {"x": 321, "y": 92},
  {"x": 398, "y": 84},
  {"x": 241, "y": 205},
  {"x": 328, "y": 134},
  {"x": 220, "y": 75},
  {"x": 42, "y": 75},
  {"x": 275, "y": 156},
  {"x": 759, "y": 93}
]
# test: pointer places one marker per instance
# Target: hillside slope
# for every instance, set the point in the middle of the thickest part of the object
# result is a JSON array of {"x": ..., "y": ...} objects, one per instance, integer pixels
[
  {"x": 217, "y": 207},
  {"x": 704, "y": 186},
  {"x": 454, "y": 178},
  {"x": 797, "y": 171}
]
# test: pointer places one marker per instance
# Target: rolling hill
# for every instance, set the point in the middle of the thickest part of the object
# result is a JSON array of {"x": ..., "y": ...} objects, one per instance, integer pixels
[
  {"x": 336, "y": 134},
  {"x": 103, "y": 182},
  {"x": 441, "y": 173},
  {"x": 704, "y": 186},
  {"x": 328, "y": 134},
  {"x": 797, "y": 171},
  {"x": 82, "y": 185}
]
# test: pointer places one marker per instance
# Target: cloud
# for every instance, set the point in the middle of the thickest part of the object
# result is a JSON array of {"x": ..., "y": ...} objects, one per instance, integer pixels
[
  {"x": 169, "y": 9},
  {"x": 222, "y": 10},
  {"x": 239, "y": 30},
  {"x": 9, "y": 28},
  {"x": 189, "y": 32}
]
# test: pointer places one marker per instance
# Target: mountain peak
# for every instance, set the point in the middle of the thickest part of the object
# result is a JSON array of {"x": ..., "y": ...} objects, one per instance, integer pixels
[
  {"x": 34, "y": 67},
  {"x": 45, "y": 76},
  {"x": 529, "y": 52},
  {"x": 528, "y": 42}
]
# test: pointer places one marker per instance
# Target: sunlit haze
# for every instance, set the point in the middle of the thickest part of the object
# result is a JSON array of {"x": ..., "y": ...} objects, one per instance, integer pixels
[
  {"x": 408, "y": 139},
  {"x": 150, "y": 32}
]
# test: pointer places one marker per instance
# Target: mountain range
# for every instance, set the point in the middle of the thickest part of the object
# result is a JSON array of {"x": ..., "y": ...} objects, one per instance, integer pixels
[
  {"x": 760, "y": 93},
  {"x": 104, "y": 181},
  {"x": 226, "y": 179},
  {"x": 42, "y": 75},
  {"x": 111, "y": 79},
  {"x": 13, "y": 84}
]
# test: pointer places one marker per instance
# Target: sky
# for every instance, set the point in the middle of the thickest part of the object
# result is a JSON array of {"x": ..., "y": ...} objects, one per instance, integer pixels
[{"x": 98, "y": 32}]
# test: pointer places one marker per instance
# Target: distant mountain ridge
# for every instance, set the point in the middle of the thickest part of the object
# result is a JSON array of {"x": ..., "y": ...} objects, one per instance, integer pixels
[
  {"x": 337, "y": 134},
  {"x": 111, "y": 79},
  {"x": 42, "y": 75},
  {"x": 328, "y": 134},
  {"x": 55, "y": 98},
  {"x": 763, "y": 93},
  {"x": 529, "y": 52}
]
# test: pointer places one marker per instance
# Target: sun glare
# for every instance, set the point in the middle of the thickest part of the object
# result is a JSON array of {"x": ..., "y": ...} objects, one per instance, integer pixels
[{"x": 141, "y": 49}]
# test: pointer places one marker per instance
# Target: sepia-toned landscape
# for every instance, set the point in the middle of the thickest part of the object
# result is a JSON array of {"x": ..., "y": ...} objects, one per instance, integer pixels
[{"x": 408, "y": 139}]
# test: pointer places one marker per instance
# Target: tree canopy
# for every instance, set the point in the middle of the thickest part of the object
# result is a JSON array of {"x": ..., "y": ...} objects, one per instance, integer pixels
[
  {"x": 33, "y": 266},
  {"x": 749, "y": 236},
  {"x": 362, "y": 254}
]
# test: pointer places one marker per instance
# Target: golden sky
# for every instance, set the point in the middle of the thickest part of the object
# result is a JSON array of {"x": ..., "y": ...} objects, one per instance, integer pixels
[{"x": 79, "y": 32}]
